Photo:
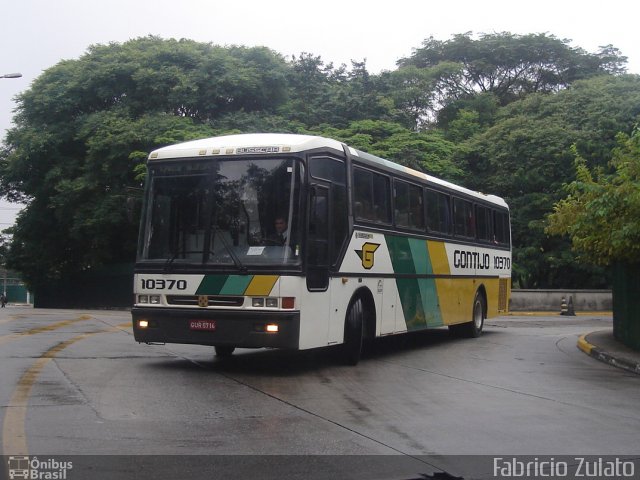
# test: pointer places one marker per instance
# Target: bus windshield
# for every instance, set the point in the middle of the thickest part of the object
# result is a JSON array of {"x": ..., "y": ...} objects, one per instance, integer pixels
[{"x": 237, "y": 212}]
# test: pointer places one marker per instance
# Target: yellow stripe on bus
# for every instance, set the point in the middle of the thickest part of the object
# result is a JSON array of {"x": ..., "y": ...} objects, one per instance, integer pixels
[
  {"x": 438, "y": 256},
  {"x": 261, "y": 285}
]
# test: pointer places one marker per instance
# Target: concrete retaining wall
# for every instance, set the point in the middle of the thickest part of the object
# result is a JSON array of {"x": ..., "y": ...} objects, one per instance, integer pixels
[{"x": 550, "y": 300}]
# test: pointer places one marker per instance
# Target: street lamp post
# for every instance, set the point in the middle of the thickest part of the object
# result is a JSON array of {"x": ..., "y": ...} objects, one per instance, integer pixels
[{"x": 11, "y": 75}]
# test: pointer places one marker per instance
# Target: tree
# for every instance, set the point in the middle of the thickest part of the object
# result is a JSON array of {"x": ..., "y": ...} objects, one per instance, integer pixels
[
  {"x": 600, "y": 216},
  {"x": 526, "y": 157},
  {"x": 600, "y": 213},
  {"x": 505, "y": 125},
  {"x": 509, "y": 65},
  {"x": 323, "y": 94},
  {"x": 414, "y": 94},
  {"x": 85, "y": 127},
  {"x": 78, "y": 210},
  {"x": 313, "y": 87},
  {"x": 427, "y": 151}
]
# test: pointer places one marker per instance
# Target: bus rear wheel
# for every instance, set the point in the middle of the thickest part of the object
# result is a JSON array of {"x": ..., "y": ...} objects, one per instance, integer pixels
[
  {"x": 472, "y": 329},
  {"x": 224, "y": 351},
  {"x": 353, "y": 333}
]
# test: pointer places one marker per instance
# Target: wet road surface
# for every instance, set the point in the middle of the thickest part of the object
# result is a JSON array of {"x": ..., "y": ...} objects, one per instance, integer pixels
[{"x": 76, "y": 383}]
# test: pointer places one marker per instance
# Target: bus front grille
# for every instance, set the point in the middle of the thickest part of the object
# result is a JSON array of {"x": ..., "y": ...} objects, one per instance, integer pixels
[{"x": 213, "y": 301}]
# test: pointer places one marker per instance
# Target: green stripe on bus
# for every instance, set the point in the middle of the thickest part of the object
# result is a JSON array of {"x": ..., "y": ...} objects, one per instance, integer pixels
[
  {"x": 224, "y": 284},
  {"x": 418, "y": 296},
  {"x": 211, "y": 284},
  {"x": 400, "y": 252},
  {"x": 236, "y": 284},
  {"x": 408, "y": 288},
  {"x": 420, "y": 256}
]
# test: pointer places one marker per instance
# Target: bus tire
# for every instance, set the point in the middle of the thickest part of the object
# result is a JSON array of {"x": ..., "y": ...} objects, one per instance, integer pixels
[
  {"x": 353, "y": 333},
  {"x": 472, "y": 329},
  {"x": 224, "y": 351}
]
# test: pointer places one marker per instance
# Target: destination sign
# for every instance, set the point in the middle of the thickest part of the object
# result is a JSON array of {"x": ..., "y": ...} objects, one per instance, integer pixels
[{"x": 242, "y": 150}]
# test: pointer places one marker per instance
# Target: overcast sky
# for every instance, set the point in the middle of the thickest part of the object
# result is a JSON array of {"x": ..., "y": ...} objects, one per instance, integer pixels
[{"x": 37, "y": 34}]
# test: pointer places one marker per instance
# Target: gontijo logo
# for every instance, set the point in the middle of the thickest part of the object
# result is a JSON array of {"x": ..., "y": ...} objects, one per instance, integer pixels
[{"x": 366, "y": 254}]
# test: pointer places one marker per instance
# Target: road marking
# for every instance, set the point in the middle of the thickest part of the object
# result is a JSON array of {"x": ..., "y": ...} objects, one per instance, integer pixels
[
  {"x": 46, "y": 328},
  {"x": 14, "y": 438},
  {"x": 19, "y": 316}
]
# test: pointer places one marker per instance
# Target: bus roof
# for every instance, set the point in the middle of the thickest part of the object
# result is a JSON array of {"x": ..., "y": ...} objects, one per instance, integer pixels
[
  {"x": 238, "y": 144},
  {"x": 269, "y": 143}
]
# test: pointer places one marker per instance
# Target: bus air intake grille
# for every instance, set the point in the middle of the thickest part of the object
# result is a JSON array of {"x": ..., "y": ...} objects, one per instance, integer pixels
[{"x": 502, "y": 295}]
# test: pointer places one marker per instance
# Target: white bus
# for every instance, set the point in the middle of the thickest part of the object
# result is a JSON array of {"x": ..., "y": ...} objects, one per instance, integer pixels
[{"x": 298, "y": 242}]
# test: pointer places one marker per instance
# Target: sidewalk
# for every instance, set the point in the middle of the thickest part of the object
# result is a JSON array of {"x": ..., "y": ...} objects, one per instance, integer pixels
[{"x": 602, "y": 346}]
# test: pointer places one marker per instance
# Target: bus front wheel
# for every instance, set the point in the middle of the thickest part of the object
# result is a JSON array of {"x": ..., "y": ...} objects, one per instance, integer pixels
[{"x": 353, "y": 333}]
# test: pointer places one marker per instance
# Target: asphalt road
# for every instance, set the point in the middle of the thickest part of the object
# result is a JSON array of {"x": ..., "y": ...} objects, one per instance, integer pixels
[{"x": 76, "y": 383}]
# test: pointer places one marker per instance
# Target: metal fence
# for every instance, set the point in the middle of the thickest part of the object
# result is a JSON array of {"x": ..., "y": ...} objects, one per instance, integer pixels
[
  {"x": 626, "y": 304},
  {"x": 107, "y": 287}
]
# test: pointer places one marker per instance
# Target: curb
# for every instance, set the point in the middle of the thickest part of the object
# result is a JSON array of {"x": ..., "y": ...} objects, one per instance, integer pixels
[{"x": 599, "y": 354}]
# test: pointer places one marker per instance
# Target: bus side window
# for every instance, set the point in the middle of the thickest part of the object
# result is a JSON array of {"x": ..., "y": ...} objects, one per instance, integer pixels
[
  {"x": 483, "y": 223},
  {"x": 464, "y": 222},
  {"x": 363, "y": 194},
  {"x": 409, "y": 211},
  {"x": 319, "y": 219},
  {"x": 501, "y": 227},
  {"x": 438, "y": 212},
  {"x": 371, "y": 196},
  {"x": 381, "y": 195},
  {"x": 318, "y": 239}
]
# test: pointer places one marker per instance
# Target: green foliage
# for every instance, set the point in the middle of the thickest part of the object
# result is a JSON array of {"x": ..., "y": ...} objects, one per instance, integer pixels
[
  {"x": 427, "y": 151},
  {"x": 600, "y": 213},
  {"x": 509, "y": 65},
  {"x": 322, "y": 94},
  {"x": 78, "y": 214},
  {"x": 526, "y": 156},
  {"x": 493, "y": 114},
  {"x": 483, "y": 107}
]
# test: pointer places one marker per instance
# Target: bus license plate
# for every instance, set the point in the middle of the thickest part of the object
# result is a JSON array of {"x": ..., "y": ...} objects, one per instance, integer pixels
[{"x": 207, "y": 325}]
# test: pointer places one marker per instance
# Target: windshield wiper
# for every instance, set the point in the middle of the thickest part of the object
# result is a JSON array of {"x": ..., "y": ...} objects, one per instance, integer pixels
[
  {"x": 232, "y": 254},
  {"x": 169, "y": 262}
]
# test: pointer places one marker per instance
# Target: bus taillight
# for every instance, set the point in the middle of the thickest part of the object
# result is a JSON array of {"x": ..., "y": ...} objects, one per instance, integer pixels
[{"x": 288, "y": 303}]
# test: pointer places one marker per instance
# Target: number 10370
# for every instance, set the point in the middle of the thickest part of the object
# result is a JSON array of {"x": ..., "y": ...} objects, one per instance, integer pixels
[{"x": 161, "y": 284}]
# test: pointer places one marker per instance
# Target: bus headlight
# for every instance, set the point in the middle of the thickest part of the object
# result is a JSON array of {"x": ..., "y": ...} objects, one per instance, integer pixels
[
  {"x": 286, "y": 303},
  {"x": 272, "y": 302},
  {"x": 257, "y": 302},
  {"x": 152, "y": 299}
]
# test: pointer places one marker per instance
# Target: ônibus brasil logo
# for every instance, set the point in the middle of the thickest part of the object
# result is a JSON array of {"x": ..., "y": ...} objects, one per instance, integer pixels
[{"x": 22, "y": 466}]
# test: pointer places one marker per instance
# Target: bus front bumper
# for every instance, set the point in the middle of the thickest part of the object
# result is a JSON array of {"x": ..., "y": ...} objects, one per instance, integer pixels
[{"x": 221, "y": 327}]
